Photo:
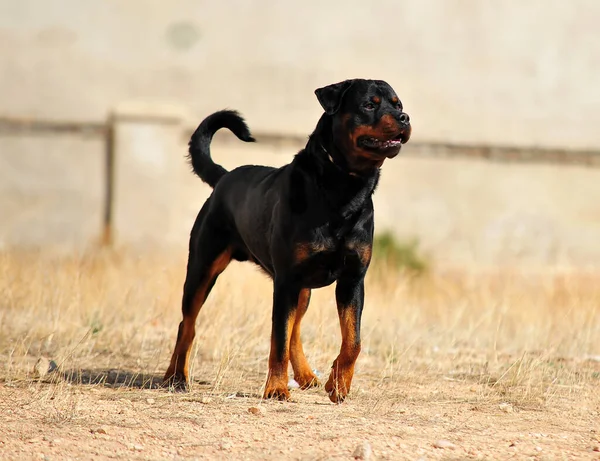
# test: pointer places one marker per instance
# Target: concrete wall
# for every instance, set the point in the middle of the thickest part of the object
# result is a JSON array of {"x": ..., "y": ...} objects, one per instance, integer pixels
[
  {"x": 480, "y": 212},
  {"x": 520, "y": 72},
  {"x": 51, "y": 189}
]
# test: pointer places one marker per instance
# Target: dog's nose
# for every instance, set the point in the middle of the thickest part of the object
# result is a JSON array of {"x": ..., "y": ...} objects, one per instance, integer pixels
[{"x": 404, "y": 118}]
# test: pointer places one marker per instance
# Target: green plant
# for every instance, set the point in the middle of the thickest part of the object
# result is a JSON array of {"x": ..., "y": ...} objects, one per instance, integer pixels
[{"x": 401, "y": 255}]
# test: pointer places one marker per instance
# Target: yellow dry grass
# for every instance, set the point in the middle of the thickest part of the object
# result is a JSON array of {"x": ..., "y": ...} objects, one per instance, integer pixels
[{"x": 522, "y": 342}]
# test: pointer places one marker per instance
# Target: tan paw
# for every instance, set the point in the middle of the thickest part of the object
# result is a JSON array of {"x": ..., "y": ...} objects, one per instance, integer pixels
[{"x": 307, "y": 380}]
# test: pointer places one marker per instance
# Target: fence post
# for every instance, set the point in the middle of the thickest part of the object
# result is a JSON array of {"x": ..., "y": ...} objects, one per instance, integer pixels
[
  {"x": 142, "y": 173},
  {"x": 106, "y": 238}
]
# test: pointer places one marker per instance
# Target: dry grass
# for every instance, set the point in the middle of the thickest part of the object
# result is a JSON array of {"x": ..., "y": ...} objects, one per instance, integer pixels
[{"x": 526, "y": 342}]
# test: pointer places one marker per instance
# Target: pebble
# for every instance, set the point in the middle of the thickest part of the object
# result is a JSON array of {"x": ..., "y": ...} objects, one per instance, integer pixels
[
  {"x": 444, "y": 444},
  {"x": 226, "y": 445},
  {"x": 206, "y": 400},
  {"x": 363, "y": 451},
  {"x": 257, "y": 410},
  {"x": 506, "y": 407},
  {"x": 150, "y": 401},
  {"x": 41, "y": 367}
]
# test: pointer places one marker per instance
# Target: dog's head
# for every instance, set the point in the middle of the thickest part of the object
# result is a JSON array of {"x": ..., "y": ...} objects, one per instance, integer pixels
[{"x": 368, "y": 121}]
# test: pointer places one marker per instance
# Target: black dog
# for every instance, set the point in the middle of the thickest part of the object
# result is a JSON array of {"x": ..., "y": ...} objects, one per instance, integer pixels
[{"x": 307, "y": 224}]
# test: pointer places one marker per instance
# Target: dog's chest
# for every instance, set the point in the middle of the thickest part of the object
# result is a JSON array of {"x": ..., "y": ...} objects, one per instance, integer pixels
[{"x": 323, "y": 260}]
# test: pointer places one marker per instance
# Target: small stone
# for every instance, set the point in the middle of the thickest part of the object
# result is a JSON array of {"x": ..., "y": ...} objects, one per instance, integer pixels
[
  {"x": 538, "y": 448},
  {"x": 150, "y": 401},
  {"x": 100, "y": 430},
  {"x": 137, "y": 447},
  {"x": 206, "y": 400},
  {"x": 506, "y": 407},
  {"x": 443, "y": 444},
  {"x": 257, "y": 410},
  {"x": 226, "y": 445},
  {"x": 596, "y": 448},
  {"x": 41, "y": 367},
  {"x": 362, "y": 451}
]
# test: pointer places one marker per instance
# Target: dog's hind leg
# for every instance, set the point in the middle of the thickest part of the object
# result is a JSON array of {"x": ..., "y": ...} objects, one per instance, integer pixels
[
  {"x": 209, "y": 257},
  {"x": 303, "y": 374}
]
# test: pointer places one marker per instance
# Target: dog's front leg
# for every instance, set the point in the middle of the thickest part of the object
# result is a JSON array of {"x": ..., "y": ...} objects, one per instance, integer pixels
[
  {"x": 285, "y": 301},
  {"x": 350, "y": 295}
]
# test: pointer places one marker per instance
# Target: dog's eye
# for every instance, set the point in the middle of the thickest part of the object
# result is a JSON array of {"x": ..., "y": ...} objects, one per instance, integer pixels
[
  {"x": 399, "y": 106},
  {"x": 369, "y": 106}
]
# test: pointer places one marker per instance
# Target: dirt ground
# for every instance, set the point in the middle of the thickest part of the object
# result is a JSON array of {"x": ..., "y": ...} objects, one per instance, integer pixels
[
  {"x": 485, "y": 366},
  {"x": 436, "y": 417}
]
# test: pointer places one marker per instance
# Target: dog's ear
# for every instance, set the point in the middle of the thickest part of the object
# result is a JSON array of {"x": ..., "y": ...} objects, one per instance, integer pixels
[{"x": 331, "y": 96}]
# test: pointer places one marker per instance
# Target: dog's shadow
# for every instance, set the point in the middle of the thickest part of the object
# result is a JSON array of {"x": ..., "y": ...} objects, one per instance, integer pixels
[{"x": 115, "y": 378}]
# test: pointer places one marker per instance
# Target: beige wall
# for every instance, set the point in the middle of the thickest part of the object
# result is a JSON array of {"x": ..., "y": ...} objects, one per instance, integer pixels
[
  {"x": 521, "y": 72},
  {"x": 51, "y": 190},
  {"x": 476, "y": 211}
]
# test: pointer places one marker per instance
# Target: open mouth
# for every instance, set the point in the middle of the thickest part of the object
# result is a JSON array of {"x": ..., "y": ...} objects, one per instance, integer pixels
[{"x": 373, "y": 143}]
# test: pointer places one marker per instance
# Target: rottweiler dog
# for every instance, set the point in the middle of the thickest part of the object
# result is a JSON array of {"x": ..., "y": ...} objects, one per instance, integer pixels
[{"x": 307, "y": 224}]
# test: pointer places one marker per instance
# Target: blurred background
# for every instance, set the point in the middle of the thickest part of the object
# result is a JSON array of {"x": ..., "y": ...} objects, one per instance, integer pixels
[{"x": 98, "y": 99}]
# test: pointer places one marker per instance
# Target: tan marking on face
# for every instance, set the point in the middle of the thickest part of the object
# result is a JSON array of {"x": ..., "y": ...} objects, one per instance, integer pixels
[
  {"x": 388, "y": 125},
  {"x": 386, "y": 128},
  {"x": 376, "y": 99},
  {"x": 395, "y": 99}
]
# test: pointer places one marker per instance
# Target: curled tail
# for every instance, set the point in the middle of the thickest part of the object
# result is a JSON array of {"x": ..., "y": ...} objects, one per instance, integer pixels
[{"x": 199, "y": 146}]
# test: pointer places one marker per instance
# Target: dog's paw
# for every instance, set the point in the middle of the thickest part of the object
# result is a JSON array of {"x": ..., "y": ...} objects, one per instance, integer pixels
[
  {"x": 337, "y": 388},
  {"x": 176, "y": 383},
  {"x": 277, "y": 393},
  {"x": 307, "y": 381}
]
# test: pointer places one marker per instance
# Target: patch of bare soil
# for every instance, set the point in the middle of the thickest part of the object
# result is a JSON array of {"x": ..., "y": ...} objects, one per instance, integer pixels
[
  {"x": 455, "y": 366},
  {"x": 432, "y": 416}
]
